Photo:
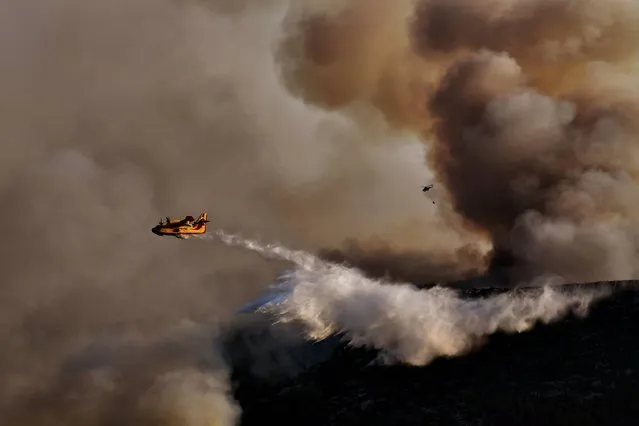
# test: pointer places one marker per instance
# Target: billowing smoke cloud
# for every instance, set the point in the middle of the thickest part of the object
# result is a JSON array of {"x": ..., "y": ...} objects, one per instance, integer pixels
[
  {"x": 117, "y": 113},
  {"x": 534, "y": 171},
  {"x": 528, "y": 109},
  {"x": 177, "y": 379}
]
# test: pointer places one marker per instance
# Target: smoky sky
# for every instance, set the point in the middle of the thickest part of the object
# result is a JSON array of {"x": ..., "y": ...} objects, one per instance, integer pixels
[
  {"x": 528, "y": 110},
  {"x": 116, "y": 114},
  {"x": 308, "y": 122}
]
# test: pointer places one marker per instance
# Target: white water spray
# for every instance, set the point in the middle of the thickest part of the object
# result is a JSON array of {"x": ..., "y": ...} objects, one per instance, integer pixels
[
  {"x": 300, "y": 258},
  {"x": 408, "y": 325}
]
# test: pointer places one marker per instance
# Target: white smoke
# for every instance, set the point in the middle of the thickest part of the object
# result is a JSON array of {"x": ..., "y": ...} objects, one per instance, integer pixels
[{"x": 408, "y": 325}]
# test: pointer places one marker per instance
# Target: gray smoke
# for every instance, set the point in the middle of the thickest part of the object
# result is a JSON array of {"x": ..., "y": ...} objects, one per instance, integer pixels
[
  {"x": 118, "y": 113},
  {"x": 175, "y": 379}
]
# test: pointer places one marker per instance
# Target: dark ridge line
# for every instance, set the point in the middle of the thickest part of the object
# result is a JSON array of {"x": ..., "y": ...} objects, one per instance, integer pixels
[{"x": 470, "y": 289}]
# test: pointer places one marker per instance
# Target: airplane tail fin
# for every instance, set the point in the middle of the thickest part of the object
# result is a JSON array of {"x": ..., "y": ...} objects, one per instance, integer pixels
[{"x": 204, "y": 218}]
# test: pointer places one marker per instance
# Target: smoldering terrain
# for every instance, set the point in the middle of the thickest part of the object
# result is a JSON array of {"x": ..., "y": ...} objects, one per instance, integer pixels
[{"x": 312, "y": 123}]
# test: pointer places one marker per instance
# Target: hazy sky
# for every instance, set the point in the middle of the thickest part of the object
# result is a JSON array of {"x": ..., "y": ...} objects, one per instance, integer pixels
[{"x": 118, "y": 113}]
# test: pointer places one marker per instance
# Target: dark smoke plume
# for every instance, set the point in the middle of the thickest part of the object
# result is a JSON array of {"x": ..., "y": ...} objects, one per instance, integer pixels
[
  {"x": 528, "y": 110},
  {"x": 530, "y": 169}
]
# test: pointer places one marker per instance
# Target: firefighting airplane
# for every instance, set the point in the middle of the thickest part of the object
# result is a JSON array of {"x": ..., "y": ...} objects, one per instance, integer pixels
[{"x": 182, "y": 228}]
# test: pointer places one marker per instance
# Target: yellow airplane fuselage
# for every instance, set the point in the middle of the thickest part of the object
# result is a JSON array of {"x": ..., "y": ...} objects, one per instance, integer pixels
[{"x": 180, "y": 229}]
